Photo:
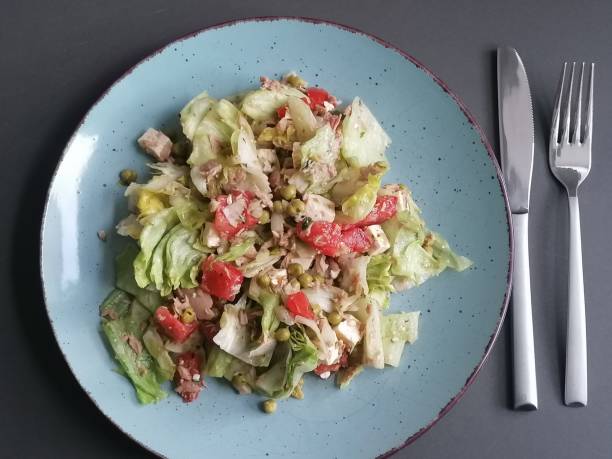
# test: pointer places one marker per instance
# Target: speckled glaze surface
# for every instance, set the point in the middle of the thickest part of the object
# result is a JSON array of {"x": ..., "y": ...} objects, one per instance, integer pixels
[{"x": 437, "y": 150}]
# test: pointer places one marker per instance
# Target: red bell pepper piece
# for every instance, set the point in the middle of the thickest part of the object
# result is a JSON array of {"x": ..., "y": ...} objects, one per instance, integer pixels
[
  {"x": 222, "y": 224},
  {"x": 317, "y": 96},
  {"x": 220, "y": 279},
  {"x": 357, "y": 240},
  {"x": 281, "y": 111},
  {"x": 326, "y": 237},
  {"x": 384, "y": 209},
  {"x": 298, "y": 305},
  {"x": 172, "y": 327}
]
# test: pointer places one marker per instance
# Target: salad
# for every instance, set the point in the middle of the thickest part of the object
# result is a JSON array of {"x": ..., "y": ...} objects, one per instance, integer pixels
[{"x": 266, "y": 247}]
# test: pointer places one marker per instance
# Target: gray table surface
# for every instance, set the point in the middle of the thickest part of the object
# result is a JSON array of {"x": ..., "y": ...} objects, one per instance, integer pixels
[{"x": 57, "y": 57}]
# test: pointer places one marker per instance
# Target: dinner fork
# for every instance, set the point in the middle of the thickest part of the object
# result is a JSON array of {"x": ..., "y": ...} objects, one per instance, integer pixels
[{"x": 570, "y": 161}]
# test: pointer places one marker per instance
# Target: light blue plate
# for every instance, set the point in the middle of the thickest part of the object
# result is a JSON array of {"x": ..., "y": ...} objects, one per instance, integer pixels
[{"x": 437, "y": 150}]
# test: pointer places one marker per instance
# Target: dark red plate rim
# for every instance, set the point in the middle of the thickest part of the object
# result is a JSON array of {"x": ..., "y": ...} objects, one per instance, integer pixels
[{"x": 446, "y": 89}]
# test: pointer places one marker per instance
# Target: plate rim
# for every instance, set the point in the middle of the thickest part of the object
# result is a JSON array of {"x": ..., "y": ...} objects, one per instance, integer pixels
[{"x": 409, "y": 57}]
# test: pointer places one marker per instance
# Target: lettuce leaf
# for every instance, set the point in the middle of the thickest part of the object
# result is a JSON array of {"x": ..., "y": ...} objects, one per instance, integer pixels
[
  {"x": 263, "y": 260},
  {"x": 417, "y": 253},
  {"x": 235, "y": 338},
  {"x": 304, "y": 121},
  {"x": 123, "y": 326},
  {"x": 378, "y": 273},
  {"x": 291, "y": 361},
  {"x": 212, "y": 136},
  {"x": 191, "y": 115},
  {"x": 181, "y": 258},
  {"x": 269, "y": 302},
  {"x": 237, "y": 250},
  {"x": 124, "y": 271},
  {"x": 218, "y": 362},
  {"x": 261, "y": 104},
  {"x": 191, "y": 215},
  {"x": 153, "y": 342},
  {"x": 362, "y": 201},
  {"x": 363, "y": 140},
  {"x": 398, "y": 329},
  {"x": 154, "y": 230},
  {"x": 322, "y": 147}
]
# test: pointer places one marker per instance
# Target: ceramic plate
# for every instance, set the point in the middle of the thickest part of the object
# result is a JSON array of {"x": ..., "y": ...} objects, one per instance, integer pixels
[{"x": 438, "y": 150}]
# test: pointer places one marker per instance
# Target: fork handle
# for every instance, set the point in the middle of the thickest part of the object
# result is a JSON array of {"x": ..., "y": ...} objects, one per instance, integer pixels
[
  {"x": 576, "y": 354},
  {"x": 525, "y": 385}
]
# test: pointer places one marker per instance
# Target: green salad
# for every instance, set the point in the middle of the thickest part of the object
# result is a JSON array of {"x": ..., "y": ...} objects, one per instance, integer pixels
[{"x": 266, "y": 247}]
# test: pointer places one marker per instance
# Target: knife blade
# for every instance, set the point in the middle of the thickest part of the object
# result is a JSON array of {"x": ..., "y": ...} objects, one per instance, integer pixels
[
  {"x": 515, "y": 128},
  {"x": 516, "y": 147}
]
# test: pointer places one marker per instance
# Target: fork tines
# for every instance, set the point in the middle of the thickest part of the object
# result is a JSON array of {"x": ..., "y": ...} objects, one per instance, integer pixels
[{"x": 577, "y": 136}]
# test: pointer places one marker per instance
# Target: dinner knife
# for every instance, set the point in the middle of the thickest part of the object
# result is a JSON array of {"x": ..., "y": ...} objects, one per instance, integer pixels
[{"x": 516, "y": 145}]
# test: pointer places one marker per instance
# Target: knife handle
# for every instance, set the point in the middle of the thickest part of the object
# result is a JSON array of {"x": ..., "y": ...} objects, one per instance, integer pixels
[{"x": 525, "y": 385}]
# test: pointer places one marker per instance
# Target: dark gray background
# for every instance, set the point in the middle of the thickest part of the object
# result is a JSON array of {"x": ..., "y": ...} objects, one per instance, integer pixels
[{"x": 57, "y": 57}]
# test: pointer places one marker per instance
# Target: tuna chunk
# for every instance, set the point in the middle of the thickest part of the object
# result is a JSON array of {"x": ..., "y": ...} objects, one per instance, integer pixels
[{"x": 156, "y": 143}]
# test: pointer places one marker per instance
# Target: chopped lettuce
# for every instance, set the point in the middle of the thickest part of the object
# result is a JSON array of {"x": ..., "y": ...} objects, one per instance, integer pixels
[
  {"x": 263, "y": 260},
  {"x": 123, "y": 327},
  {"x": 237, "y": 250},
  {"x": 291, "y": 361},
  {"x": 269, "y": 302},
  {"x": 362, "y": 201},
  {"x": 218, "y": 362},
  {"x": 124, "y": 270},
  {"x": 181, "y": 258},
  {"x": 363, "y": 140},
  {"x": 443, "y": 254},
  {"x": 304, "y": 121},
  {"x": 212, "y": 136},
  {"x": 228, "y": 113},
  {"x": 323, "y": 147},
  {"x": 235, "y": 338},
  {"x": 194, "y": 111},
  {"x": 261, "y": 104},
  {"x": 153, "y": 342},
  {"x": 153, "y": 232},
  {"x": 370, "y": 314},
  {"x": 417, "y": 253},
  {"x": 378, "y": 273},
  {"x": 398, "y": 329},
  {"x": 191, "y": 215}
]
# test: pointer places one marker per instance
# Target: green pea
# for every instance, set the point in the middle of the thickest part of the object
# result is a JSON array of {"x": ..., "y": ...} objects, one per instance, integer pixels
[
  {"x": 269, "y": 406},
  {"x": 295, "y": 269},
  {"x": 334, "y": 318},
  {"x": 265, "y": 218},
  {"x": 306, "y": 280},
  {"x": 282, "y": 334},
  {"x": 263, "y": 280},
  {"x": 288, "y": 192},
  {"x": 277, "y": 207},
  {"x": 127, "y": 176},
  {"x": 299, "y": 205}
]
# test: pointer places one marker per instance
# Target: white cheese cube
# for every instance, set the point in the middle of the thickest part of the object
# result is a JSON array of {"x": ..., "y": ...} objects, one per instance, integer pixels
[
  {"x": 349, "y": 332},
  {"x": 380, "y": 242},
  {"x": 211, "y": 237}
]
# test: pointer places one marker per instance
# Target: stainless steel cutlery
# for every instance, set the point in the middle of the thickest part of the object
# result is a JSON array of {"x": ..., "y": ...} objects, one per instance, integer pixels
[
  {"x": 516, "y": 145},
  {"x": 570, "y": 162},
  {"x": 569, "y": 155}
]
